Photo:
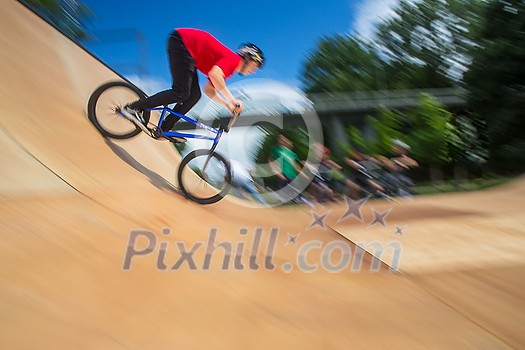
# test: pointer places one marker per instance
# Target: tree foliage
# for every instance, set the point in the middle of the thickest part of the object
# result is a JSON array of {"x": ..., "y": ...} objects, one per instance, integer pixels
[
  {"x": 432, "y": 131},
  {"x": 386, "y": 126},
  {"x": 468, "y": 145},
  {"x": 68, "y": 15},
  {"x": 496, "y": 81},
  {"x": 341, "y": 63},
  {"x": 426, "y": 44}
]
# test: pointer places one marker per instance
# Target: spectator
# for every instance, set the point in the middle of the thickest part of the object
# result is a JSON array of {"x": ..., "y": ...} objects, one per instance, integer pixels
[
  {"x": 284, "y": 162},
  {"x": 404, "y": 163},
  {"x": 285, "y": 165},
  {"x": 367, "y": 184}
]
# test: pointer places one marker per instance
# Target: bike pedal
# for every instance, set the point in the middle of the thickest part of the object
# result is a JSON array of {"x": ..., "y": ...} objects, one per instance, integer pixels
[
  {"x": 175, "y": 139},
  {"x": 156, "y": 133}
]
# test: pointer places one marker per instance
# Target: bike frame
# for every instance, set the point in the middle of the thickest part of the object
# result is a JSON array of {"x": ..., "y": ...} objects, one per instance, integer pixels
[{"x": 165, "y": 111}]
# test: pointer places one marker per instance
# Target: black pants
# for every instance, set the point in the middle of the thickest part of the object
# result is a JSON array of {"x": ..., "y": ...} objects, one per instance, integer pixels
[{"x": 185, "y": 90}]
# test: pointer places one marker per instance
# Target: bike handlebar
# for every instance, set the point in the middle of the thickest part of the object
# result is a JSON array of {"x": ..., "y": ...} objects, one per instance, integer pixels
[{"x": 232, "y": 121}]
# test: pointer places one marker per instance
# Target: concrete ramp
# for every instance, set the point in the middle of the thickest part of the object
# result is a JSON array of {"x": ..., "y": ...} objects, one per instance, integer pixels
[{"x": 98, "y": 252}]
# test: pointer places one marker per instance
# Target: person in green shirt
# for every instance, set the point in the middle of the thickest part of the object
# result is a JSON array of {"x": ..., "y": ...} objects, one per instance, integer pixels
[{"x": 284, "y": 162}]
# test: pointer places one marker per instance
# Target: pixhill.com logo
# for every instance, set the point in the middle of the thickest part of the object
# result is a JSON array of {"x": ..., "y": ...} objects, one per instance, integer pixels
[{"x": 269, "y": 249}]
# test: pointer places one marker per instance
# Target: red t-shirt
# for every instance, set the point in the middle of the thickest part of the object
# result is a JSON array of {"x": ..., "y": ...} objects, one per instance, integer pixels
[{"x": 208, "y": 51}]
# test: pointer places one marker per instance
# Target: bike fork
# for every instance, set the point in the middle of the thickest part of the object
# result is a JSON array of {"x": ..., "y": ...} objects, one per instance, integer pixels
[
  {"x": 212, "y": 149},
  {"x": 208, "y": 159}
]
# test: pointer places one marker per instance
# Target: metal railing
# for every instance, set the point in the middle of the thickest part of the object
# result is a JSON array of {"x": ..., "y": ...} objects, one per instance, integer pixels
[{"x": 372, "y": 100}]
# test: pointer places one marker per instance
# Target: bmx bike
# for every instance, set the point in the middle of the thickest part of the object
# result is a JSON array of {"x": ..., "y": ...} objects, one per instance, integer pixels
[{"x": 204, "y": 175}]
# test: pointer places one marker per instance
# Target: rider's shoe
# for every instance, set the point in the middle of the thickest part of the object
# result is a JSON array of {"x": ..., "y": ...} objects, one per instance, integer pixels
[
  {"x": 175, "y": 139},
  {"x": 136, "y": 114}
]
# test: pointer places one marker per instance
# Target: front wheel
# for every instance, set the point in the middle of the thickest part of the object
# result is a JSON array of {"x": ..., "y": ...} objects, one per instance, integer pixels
[
  {"x": 104, "y": 106},
  {"x": 204, "y": 176}
]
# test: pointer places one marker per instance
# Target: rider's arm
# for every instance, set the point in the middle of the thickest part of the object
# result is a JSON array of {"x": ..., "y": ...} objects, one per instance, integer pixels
[
  {"x": 333, "y": 164},
  {"x": 405, "y": 162},
  {"x": 210, "y": 91},
  {"x": 216, "y": 76}
]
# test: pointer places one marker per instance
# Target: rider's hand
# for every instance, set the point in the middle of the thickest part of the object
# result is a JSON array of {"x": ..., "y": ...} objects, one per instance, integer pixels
[{"x": 235, "y": 107}]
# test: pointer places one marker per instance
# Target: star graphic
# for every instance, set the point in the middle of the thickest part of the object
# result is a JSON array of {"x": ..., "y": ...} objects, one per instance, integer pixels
[
  {"x": 379, "y": 218},
  {"x": 292, "y": 239},
  {"x": 399, "y": 230},
  {"x": 353, "y": 208},
  {"x": 318, "y": 220}
]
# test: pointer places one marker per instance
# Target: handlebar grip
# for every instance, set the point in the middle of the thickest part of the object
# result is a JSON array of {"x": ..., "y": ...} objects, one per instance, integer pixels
[{"x": 235, "y": 115}]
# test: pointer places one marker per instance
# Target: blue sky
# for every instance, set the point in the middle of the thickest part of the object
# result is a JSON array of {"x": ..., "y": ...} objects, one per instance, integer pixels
[{"x": 285, "y": 30}]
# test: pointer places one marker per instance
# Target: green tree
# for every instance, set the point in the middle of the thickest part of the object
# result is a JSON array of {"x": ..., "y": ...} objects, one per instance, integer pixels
[
  {"x": 386, "y": 127},
  {"x": 426, "y": 42},
  {"x": 467, "y": 146},
  {"x": 68, "y": 15},
  {"x": 341, "y": 63},
  {"x": 496, "y": 82},
  {"x": 431, "y": 134}
]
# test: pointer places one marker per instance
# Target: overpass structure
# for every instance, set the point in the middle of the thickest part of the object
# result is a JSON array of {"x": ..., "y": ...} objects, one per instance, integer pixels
[
  {"x": 370, "y": 101},
  {"x": 439, "y": 272},
  {"x": 338, "y": 110}
]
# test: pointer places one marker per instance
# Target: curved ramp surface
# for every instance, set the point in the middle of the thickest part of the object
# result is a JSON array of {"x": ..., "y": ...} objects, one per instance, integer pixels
[{"x": 97, "y": 250}]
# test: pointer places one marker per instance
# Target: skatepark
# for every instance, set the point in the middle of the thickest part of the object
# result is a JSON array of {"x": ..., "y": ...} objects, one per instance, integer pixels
[{"x": 97, "y": 250}]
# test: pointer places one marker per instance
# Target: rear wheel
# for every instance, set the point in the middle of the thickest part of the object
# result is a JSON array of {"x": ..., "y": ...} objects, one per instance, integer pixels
[
  {"x": 204, "y": 176},
  {"x": 104, "y": 106}
]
